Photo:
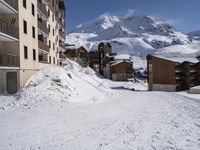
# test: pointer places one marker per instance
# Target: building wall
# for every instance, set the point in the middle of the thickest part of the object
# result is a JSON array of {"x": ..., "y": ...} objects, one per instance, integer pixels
[
  {"x": 165, "y": 75},
  {"x": 163, "y": 87},
  {"x": 163, "y": 71},
  {"x": 27, "y": 39},
  {"x": 107, "y": 71},
  {"x": 3, "y": 79},
  {"x": 28, "y": 66},
  {"x": 54, "y": 53}
]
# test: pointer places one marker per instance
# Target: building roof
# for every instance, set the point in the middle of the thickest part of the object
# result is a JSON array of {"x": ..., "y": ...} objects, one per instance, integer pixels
[
  {"x": 122, "y": 57},
  {"x": 180, "y": 59}
]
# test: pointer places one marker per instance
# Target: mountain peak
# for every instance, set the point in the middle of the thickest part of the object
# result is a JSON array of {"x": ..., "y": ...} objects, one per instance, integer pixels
[{"x": 133, "y": 34}]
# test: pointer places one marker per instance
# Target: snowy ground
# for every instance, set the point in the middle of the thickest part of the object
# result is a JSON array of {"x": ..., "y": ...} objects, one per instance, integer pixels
[{"x": 74, "y": 109}]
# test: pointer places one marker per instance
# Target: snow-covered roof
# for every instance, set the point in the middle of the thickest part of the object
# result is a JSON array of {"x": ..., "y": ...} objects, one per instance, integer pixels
[
  {"x": 114, "y": 63},
  {"x": 180, "y": 59},
  {"x": 122, "y": 57}
]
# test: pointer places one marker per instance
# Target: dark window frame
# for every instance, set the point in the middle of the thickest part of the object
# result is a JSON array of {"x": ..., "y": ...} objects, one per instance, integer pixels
[
  {"x": 25, "y": 52},
  {"x": 33, "y": 32},
  {"x": 33, "y": 9},
  {"x": 34, "y": 54},
  {"x": 24, "y": 4},
  {"x": 25, "y": 26}
]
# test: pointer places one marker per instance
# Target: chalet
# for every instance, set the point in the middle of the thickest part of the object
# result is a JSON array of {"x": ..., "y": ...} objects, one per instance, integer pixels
[
  {"x": 121, "y": 69},
  {"x": 172, "y": 74},
  {"x": 80, "y": 55}
]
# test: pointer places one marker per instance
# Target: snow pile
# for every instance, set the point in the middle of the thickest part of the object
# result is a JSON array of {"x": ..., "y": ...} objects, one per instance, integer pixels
[
  {"x": 195, "y": 90},
  {"x": 63, "y": 85}
]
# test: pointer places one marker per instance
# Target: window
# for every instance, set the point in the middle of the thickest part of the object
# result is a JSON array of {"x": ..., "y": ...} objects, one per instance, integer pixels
[
  {"x": 33, "y": 32},
  {"x": 24, "y": 3},
  {"x": 25, "y": 27},
  {"x": 25, "y": 52},
  {"x": 54, "y": 61},
  {"x": 50, "y": 59},
  {"x": 53, "y": 46},
  {"x": 52, "y": 17},
  {"x": 33, "y": 9},
  {"x": 48, "y": 12},
  {"x": 53, "y": 32},
  {"x": 34, "y": 54},
  {"x": 49, "y": 44},
  {"x": 49, "y": 27}
]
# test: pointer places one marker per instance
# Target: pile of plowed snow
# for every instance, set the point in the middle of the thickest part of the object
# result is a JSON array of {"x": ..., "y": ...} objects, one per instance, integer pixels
[{"x": 70, "y": 83}]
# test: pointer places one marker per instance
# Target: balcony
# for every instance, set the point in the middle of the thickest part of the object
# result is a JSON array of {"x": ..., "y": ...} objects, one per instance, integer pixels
[
  {"x": 61, "y": 44},
  {"x": 62, "y": 56},
  {"x": 42, "y": 9},
  {"x": 62, "y": 34},
  {"x": 43, "y": 46},
  {"x": 9, "y": 60},
  {"x": 9, "y": 6},
  {"x": 9, "y": 29},
  {"x": 43, "y": 27}
]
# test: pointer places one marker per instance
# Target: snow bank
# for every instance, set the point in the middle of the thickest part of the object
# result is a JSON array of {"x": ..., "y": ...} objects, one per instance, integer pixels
[
  {"x": 195, "y": 90},
  {"x": 72, "y": 83}
]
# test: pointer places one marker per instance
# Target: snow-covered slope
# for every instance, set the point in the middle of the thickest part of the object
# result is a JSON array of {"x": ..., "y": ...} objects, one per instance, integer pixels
[
  {"x": 134, "y": 35},
  {"x": 180, "y": 53},
  {"x": 195, "y": 34},
  {"x": 72, "y": 108}
]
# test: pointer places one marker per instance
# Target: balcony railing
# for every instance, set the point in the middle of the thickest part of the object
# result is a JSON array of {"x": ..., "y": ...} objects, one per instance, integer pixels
[
  {"x": 42, "y": 8},
  {"x": 52, "y": 8},
  {"x": 12, "y": 3},
  {"x": 9, "y": 60},
  {"x": 9, "y": 29},
  {"x": 43, "y": 27},
  {"x": 43, "y": 46}
]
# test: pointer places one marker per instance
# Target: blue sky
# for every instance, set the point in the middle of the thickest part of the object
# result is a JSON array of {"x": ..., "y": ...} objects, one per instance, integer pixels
[{"x": 183, "y": 14}]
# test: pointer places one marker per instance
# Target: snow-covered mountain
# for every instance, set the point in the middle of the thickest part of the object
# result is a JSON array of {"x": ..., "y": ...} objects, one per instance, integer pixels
[
  {"x": 134, "y": 35},
  {"x": 195, "y": 34}
]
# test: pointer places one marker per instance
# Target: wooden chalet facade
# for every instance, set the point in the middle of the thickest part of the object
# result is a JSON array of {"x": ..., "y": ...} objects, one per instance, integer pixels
[{"x": 121, "y": 71}]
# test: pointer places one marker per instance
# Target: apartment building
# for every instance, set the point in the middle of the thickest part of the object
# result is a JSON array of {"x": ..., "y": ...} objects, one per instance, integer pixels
[
  {"x": 172, "y": 74},
  {"x": 32, "y": 36}
]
